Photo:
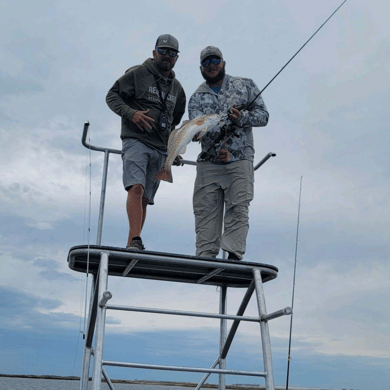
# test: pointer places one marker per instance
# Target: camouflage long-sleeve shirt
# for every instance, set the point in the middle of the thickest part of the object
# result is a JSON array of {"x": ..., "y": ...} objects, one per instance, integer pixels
[{"x": 234, "y": 91}]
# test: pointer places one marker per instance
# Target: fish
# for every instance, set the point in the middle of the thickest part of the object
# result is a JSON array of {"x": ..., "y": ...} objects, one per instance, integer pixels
[{"x": 181, "y": 137}]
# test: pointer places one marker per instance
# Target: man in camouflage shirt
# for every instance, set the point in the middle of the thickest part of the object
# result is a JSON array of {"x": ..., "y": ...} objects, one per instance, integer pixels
[{"x": 225, "y": 174}]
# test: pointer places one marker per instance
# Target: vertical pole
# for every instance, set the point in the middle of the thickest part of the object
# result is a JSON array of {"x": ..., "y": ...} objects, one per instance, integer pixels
[
  {"x": 100, "y": 323},
  {"x": 293, "y": 289},
  {"x": 223, "y": 334},
  {"x": 265, "y": 339},
  {"x": 87, "y": 349},
  {"x": 86, "y": 367},
  {"x": 102, "y": 198}
]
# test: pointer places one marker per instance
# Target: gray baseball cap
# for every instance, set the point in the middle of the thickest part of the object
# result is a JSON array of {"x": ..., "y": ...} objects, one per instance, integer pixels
[
  {"x": 167, "y": 40},
  {"x": 210, "y": 51}
]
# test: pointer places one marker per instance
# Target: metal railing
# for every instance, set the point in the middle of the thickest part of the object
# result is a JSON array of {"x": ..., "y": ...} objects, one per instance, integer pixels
[{"x": 107, "y": 152}]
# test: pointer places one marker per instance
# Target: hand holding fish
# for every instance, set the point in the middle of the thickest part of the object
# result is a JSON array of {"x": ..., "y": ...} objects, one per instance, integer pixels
[
  {"x": 180, "y": 138},
  {"x": 197, "y": 137},
  {"x": 142, "y": 120},
  {"x": 177, "y": 161}
]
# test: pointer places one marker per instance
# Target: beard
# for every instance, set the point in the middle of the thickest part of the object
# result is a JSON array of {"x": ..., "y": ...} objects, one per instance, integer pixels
[
  {"x": 215, "y": 79},
  {"x": 164, "y": 64}
]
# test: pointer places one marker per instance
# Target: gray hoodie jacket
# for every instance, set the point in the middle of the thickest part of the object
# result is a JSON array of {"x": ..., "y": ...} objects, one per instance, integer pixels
[
  {"x": 138, "y": 90},
  {"x": 234, "y": 91}
]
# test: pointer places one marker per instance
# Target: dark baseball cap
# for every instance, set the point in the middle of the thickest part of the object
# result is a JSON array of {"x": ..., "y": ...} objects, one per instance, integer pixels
[
  {"x": 210, "y": 51},
  {"x": 167, "y": 40}
]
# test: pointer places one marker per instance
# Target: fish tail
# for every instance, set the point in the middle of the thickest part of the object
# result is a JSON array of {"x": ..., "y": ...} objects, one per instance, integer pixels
[{"x": 164, "y": 174}]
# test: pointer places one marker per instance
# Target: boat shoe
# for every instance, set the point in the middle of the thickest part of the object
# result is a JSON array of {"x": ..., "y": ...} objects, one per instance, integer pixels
[{"x": 136, "y": 244}]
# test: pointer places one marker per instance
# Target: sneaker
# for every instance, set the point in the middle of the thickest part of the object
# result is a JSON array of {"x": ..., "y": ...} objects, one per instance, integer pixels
[
  {"x": 232, "y": 256},
  {"x": 136, "y": 244}
]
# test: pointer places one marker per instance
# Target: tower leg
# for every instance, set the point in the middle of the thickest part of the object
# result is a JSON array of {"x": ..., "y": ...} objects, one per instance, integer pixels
[
  {"x": 265, "y": 339},
  {"x": 87, "y": 347},
  {"x": 86, "y": 367},
  {"x": 223, "y": 335},
  {"x": 100, "y": 324}
]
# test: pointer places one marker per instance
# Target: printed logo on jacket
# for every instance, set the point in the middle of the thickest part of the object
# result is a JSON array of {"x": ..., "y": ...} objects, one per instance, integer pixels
[{"x": 154, "y": 90}]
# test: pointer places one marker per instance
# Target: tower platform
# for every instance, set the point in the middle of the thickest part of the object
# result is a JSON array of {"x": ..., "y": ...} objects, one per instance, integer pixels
[
  {"x": 168, "y": 266},
  {"x": 105, "y": 261}
]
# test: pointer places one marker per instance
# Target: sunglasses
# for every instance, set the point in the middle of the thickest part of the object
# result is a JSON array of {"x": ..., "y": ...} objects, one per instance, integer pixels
[
  {"x": 215, "y": 61},
  {"x": 163, "y": 52}
]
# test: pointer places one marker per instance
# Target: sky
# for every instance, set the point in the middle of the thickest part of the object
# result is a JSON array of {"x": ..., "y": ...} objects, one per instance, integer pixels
[{"x": 328, "y": 124}]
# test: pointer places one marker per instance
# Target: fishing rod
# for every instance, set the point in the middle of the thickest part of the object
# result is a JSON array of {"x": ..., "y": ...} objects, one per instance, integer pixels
[
  {"x": 293, "y": 291},
  {"x": 231, "y": 131},
  {"x": 280, "y": 71}
]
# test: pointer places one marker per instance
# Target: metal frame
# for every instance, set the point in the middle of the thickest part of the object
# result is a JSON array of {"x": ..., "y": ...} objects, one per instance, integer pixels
[
  {"x": 111, "y": 258},
  {"x": 100, "y": 297}
]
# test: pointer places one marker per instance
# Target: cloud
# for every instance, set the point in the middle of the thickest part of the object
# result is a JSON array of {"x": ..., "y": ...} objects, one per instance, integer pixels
[
  {"x": 340, "y": 301},
  {"x": 196, "y": 10},
  {"x": 25, "y": 311},
  {"x": 25, "y": 66},
  {"x": 327, "y": 124},
  {"x": 41, "y": 181},
  {"x": 50, "y": 270},
  {"x": 18, "y": 85}
]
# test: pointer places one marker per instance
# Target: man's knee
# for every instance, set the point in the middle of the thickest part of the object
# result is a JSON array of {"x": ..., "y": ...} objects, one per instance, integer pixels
[
  {"x": 240, "y": 210},
  {"x": 136, "y": 189}
]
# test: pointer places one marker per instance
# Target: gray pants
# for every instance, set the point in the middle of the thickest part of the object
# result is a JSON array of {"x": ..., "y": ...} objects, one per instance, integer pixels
[{"x": 218, "y": 186}]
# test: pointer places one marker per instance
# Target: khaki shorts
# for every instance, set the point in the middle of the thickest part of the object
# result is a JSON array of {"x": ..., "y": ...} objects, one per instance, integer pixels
[{"x": 140, "y": 165}]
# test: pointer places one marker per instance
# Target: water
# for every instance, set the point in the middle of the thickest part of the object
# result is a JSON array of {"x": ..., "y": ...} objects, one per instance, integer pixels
[{"x": 54, "y": 384}]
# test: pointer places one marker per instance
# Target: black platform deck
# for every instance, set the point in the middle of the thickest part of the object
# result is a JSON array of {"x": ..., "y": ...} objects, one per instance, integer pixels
[{"x": 169, "y": 266}]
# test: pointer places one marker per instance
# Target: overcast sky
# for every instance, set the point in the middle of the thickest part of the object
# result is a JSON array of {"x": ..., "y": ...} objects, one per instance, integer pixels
[{"x": 329, "y": 123}]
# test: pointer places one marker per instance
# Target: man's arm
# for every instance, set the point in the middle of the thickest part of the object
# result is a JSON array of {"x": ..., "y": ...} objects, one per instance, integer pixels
[
  {"x": 115, "y": 99},
  {"x": 194, "y": 107},
  {"x": 122, "y": 89},
  {"x": 194, "y": 111},
  {"x": 257, "y": 115}
]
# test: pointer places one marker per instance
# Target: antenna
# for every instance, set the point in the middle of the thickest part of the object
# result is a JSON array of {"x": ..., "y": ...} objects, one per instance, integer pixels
[{"x": 293, "y": 291}]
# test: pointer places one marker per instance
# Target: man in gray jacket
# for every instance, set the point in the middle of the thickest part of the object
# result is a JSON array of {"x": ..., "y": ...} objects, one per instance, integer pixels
[
  {"x": 225, "y": 174},
  {"x": 151, "y": 102}
]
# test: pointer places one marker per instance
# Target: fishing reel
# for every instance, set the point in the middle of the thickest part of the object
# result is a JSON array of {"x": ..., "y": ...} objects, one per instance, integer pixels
[
  {"x": 226, "y": 126},
  {"x": 240, "y": 107}
]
